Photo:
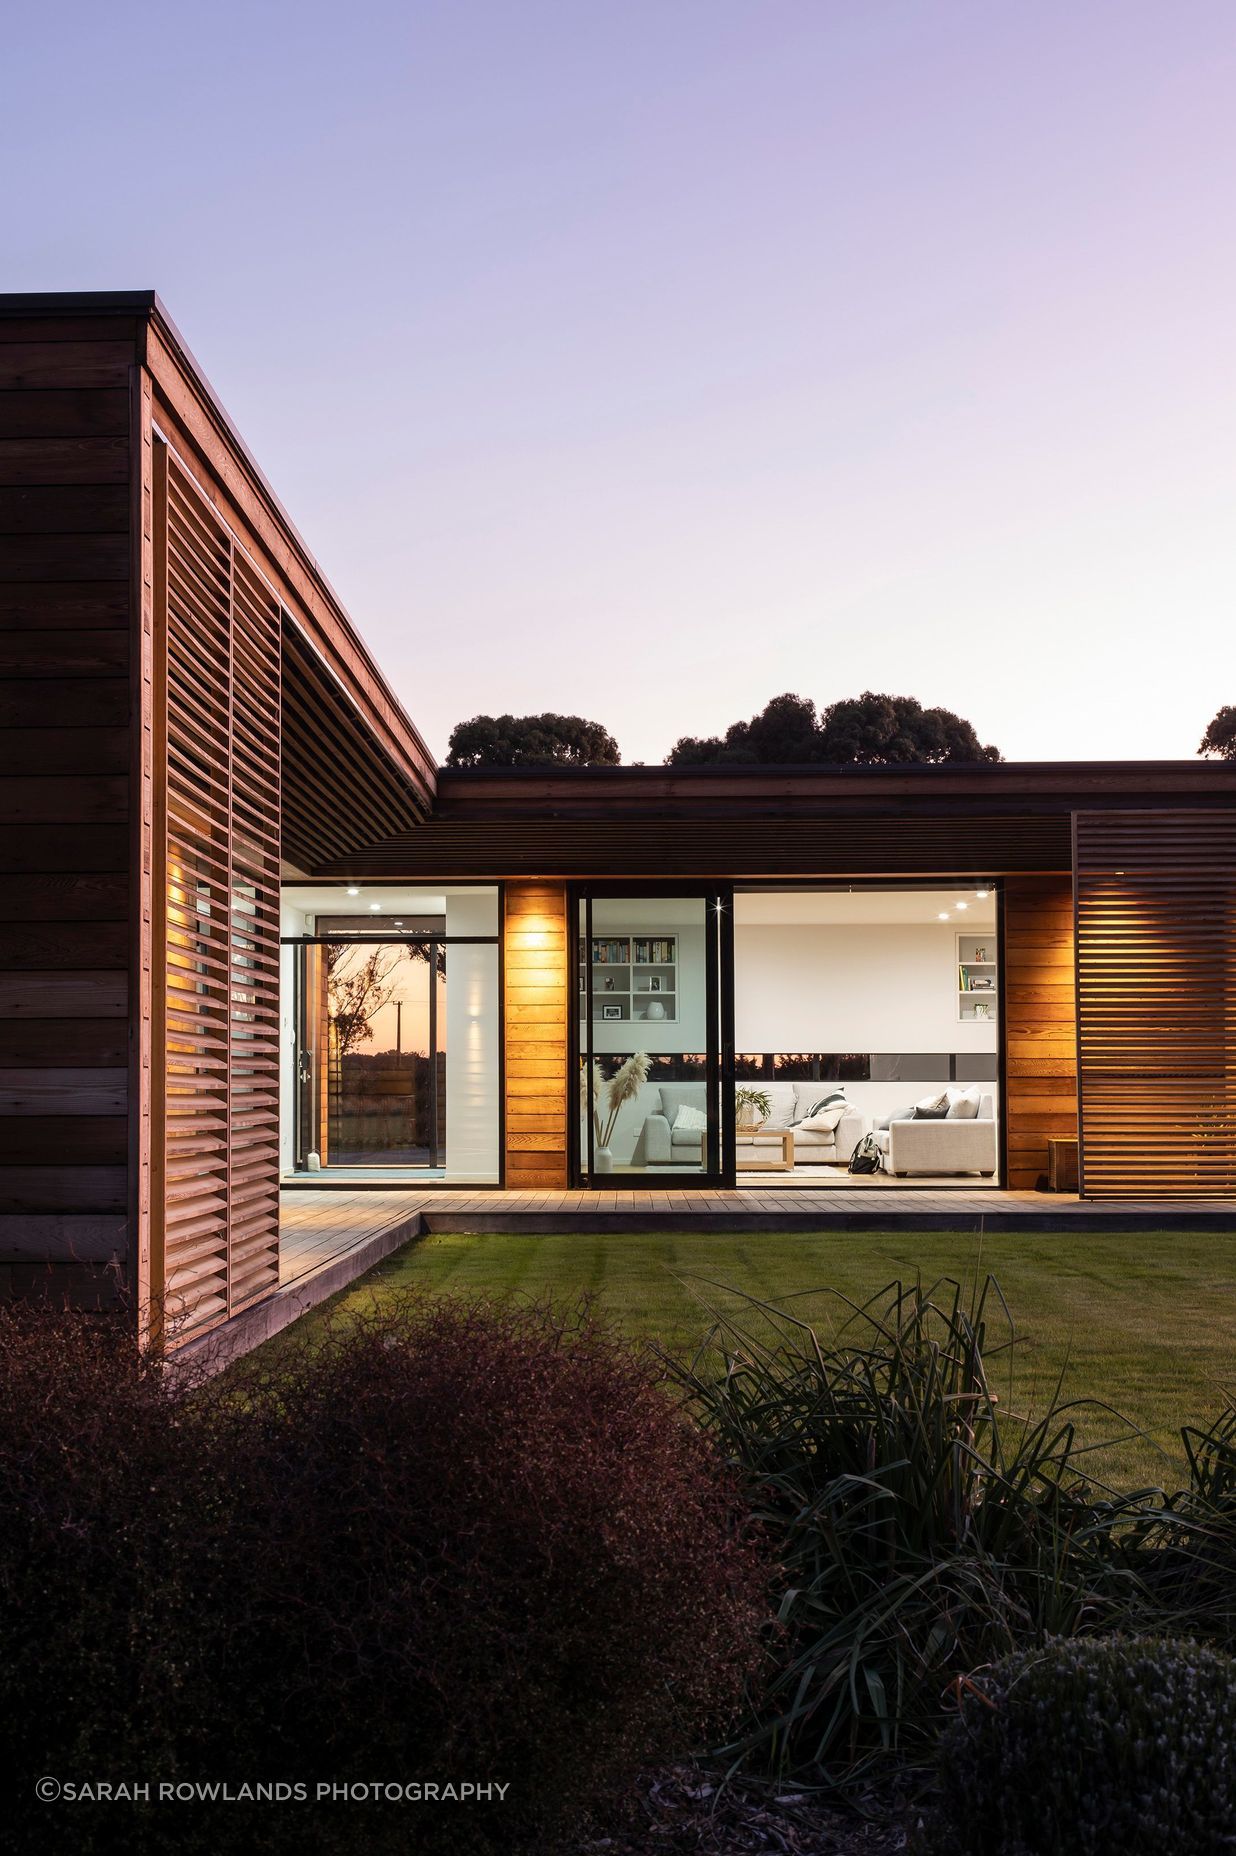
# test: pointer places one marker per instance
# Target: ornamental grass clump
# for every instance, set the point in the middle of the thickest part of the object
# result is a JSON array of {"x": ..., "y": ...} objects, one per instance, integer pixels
[
  {"x": 1090, "y": 1747},
  {"x": 921, "y": 1528}
]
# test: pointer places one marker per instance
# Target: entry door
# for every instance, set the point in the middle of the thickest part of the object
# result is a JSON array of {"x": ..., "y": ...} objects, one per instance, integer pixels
[{"x": 649, "y": 1046}]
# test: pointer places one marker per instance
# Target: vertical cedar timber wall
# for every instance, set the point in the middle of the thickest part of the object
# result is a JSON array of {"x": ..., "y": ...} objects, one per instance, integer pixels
[
  {"x": 67, "y": 879},
  {"x": 535, "y": 973},
  {"x": 1156, "y": 977},
  {"x": 1040, "y": 1027}
]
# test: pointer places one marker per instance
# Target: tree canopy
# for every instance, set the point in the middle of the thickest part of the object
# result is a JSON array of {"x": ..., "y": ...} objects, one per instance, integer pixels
[
  {"x": 868, "y": 730},
  {"x": 1219, "y": 741},
  {"x": 531, "y": 741}
]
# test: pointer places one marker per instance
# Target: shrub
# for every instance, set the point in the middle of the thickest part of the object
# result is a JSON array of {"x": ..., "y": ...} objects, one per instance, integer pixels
[
  {"x": 1090, "y": 1746},
  {"x": 916, "y": 1536},
  {"x": 442, "y": 1543}
]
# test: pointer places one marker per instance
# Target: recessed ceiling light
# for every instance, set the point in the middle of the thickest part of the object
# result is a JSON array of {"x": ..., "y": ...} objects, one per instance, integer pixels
[
  {"x": 982, "y": 894},
  {"x": 353, "y": 892},
  {"x": 961, "y": 905},
  {"x": 942, "y": 916},
  {"x": 376, "y": 907}
]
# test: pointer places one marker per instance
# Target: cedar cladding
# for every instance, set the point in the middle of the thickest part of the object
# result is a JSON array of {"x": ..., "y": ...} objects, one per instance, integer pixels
[
  {"x": 66, "y": 745},
  {"x": 1039, "y": 1023}
]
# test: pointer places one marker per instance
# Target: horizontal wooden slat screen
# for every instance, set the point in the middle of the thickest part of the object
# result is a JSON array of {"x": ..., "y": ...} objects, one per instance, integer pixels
[
  {"x": 220, "y": 995},
  {"x": 1156, "y": 974}
]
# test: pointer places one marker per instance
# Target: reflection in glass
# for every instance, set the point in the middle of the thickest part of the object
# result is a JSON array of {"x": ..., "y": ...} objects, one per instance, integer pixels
[{"x": 386, "y": 1054}]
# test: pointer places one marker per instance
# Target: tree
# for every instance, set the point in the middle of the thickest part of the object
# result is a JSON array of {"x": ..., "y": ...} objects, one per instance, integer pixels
[
  {"x": 870, "y": 730},
  {"x": 359, "y": 982},
  {"x": 531, "y": 741},
  {"x": 786, "y": 732},
  {"x": 1219, "y": 741},
  {"x": 881, "y": 730}
]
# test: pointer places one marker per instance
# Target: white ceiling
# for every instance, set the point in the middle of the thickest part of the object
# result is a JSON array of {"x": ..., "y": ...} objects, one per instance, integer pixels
[
  {"x": 333, "y": 899},
  {"x": 791, "y": 907}
]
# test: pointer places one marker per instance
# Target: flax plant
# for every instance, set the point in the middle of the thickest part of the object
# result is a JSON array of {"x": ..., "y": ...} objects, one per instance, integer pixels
[{"x": 922, "y": 1527}]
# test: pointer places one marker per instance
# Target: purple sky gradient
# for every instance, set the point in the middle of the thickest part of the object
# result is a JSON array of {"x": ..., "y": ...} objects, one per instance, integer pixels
[{"x": 647, "y": 359}]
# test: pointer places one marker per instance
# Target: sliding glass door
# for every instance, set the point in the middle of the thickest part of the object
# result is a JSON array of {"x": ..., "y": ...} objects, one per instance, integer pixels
[{"x": 649, "y": 1046}]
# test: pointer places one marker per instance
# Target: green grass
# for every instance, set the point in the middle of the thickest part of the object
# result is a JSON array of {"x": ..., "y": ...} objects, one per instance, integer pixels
[{"x": 1145, "y": 1322}]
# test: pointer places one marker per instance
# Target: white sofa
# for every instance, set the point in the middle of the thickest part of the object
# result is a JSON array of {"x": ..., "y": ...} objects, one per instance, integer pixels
[
  {"x": 953, "y": 1145},
  {"x": 790, "y": 1103}
]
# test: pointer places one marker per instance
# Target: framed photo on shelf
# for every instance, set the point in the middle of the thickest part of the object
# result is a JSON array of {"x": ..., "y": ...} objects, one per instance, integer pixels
[
  {"x": 980, "y": 954},
  {"x": 611, "y": 1011},
  {"x": 654, "y": 982}
]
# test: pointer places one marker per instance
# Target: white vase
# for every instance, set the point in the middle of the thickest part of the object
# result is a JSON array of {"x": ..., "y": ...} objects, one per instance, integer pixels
[
  {"x": 655, "y": 1010},
  {"x": 602, "y": 1160}
]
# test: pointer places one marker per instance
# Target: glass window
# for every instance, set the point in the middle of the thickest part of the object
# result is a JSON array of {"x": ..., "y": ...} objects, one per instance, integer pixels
[{"x": 391, "y": 1032}]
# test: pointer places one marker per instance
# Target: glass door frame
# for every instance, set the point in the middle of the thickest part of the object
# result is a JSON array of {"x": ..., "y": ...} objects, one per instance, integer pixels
[
  {"x": 431, "y": 943},
  {"x": 718, "y": 899}
]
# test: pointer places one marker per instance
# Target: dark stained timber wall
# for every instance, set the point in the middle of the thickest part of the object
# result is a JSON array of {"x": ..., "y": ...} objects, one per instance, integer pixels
[
  {"x": 216, "y": 1123},
  {"x": 65, "y": 747},
  {"x": 1156, "y": 974}
]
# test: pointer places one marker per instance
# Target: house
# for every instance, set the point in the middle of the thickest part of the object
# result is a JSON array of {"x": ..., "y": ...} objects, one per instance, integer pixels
[{"x": 253, "y": 935}]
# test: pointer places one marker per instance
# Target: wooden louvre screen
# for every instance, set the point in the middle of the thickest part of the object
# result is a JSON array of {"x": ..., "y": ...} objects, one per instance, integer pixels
[
  {"x": 1156, "y": 982},
  {"x": 217, "y": 1012}
]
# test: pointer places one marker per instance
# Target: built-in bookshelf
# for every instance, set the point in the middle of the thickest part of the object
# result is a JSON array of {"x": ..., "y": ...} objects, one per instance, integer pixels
[
  {"x": 977, "y": 971},
  {"x": 634, "y": 976}
]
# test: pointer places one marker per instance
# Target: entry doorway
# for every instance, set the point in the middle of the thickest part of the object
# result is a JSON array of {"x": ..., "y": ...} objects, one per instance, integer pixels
[{"x": 651, "y": 974}]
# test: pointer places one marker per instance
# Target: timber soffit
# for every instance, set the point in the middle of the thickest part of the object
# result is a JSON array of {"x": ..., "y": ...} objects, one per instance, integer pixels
[
  {"x": 754, "y": 823},
  {"x": 394, "y": 737}
]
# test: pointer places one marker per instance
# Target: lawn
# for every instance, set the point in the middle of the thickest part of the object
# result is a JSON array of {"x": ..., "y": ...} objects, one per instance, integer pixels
[{"x": 1145, "y": 1322}]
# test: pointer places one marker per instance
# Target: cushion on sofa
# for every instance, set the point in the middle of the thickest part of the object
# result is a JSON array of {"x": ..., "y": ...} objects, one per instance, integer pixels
[
  {"x": 674, "y": 1095},
  {"x": 808, "y": 1102},
  {"x": 963, "y": 1104},
  {"x": 825, "y": 1121},
  {"x": 782, "y": 1109},
  {"x": 690, "y": 1120}
]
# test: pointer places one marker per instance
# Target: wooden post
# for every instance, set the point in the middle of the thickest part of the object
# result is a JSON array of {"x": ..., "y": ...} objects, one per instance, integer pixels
[
  {"x": 535, "y": 963},
  {"x": 1040, "y": 1022}
]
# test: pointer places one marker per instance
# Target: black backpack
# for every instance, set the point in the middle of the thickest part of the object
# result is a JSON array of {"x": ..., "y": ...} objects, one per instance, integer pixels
[{"x": 866, "y": 1156}]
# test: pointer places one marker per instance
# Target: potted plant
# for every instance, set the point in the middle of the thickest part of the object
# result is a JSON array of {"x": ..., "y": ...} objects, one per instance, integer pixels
[
  {"x": 607, "y": 1097},
  {"x": 752, "y": 1107}
]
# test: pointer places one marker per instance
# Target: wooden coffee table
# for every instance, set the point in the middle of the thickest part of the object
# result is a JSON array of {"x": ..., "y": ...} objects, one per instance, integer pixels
[{"x": 750, "y": 1161}]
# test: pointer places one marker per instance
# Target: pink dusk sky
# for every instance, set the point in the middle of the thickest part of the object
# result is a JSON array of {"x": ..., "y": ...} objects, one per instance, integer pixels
[{"x": 646, "y": 358}]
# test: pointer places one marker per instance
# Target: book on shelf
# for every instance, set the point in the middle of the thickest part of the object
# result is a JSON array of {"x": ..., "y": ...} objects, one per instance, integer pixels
[
  {"x": 611, "y": 953},
  {"x": 654, "y": 951}
]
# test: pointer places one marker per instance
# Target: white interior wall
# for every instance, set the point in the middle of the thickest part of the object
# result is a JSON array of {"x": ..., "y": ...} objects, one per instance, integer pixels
[
  {"x": 472, "y": 1031},
  {"x": 852, "y": 987},
  {"x": 292, "y": 921}
]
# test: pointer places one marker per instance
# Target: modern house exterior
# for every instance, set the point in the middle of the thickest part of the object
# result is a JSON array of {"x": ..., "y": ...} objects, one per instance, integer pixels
[{"x": 254, "y": 935}]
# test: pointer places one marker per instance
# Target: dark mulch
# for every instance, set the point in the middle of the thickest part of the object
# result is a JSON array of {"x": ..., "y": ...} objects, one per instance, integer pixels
[{"x": 684, "y": 1811}]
